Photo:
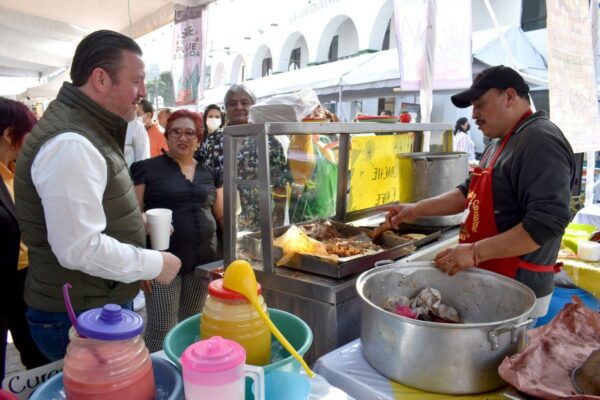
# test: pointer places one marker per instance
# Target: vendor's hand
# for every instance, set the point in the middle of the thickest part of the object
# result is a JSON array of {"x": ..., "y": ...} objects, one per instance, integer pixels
[
  {"x": 456, "y": 259},
  {"x": 400, "y": 213},
  {"x": 146, "y": 286},
  {"x": 171, "y": 266}
]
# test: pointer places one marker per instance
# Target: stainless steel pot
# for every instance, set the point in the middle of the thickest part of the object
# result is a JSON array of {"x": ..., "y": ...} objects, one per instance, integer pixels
[
  {"x": 424, "y": 175},
  {"x": 438, "y": 357}
]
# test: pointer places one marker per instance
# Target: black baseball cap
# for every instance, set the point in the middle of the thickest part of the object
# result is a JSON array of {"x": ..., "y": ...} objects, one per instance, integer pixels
[{"x": 498, "y": 77}]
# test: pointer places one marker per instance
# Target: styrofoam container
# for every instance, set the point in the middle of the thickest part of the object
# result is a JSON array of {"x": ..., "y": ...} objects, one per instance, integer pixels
[{"x": 588, "y": 250}]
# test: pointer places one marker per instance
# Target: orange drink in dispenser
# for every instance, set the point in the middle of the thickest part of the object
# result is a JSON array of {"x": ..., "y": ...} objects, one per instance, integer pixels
[{"x": 228, "y": 314}]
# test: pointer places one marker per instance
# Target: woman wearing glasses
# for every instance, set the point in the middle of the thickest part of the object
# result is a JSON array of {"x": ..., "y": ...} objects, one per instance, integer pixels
[{"x": 193, "y": 191}]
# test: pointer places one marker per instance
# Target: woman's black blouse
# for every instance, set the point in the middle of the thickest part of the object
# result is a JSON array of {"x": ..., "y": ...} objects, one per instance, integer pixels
[{"x": 194, "y": 239}]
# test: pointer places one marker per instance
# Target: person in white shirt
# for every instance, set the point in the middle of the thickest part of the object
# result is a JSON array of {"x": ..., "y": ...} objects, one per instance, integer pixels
[
  {"x": 75, "y": 201},
  {"x": 137, "y": 144},
  {"x": 462, "y": 141}
]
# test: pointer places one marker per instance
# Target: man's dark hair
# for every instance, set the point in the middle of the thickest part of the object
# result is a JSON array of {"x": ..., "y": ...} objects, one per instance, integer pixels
[
  {"x": 146, "y": 106},
  {"x": 100, "y": 49}
]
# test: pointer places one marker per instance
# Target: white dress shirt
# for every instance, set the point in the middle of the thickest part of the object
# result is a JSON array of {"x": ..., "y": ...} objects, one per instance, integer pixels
[
  {"x": 70, "y": 176},
  {"x": 462, "y": 142},
  {"x": 137, "y": 143}
]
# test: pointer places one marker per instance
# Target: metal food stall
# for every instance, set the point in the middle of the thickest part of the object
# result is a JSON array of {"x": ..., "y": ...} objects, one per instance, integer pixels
[{"x": 322, "y": 293}]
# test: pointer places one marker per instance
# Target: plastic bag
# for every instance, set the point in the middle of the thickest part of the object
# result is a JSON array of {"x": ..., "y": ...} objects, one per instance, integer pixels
[
  {"x": 291, "y": 107},
  {"x": 544, "y": 367}
]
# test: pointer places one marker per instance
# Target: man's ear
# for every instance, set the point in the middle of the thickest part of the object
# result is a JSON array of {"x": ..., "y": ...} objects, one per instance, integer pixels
[
  {"x": 100, "y": 80},
  {"x": 511, "y": 96}
]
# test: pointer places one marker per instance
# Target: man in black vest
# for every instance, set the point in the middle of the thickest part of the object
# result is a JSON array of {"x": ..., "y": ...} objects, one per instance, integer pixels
[{"x": 75, "y": 200}]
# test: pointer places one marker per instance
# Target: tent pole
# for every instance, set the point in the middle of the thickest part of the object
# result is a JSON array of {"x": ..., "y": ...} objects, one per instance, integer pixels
[
  {"x": 509, "y": 54},
  {"x": 591, "y": 155}
]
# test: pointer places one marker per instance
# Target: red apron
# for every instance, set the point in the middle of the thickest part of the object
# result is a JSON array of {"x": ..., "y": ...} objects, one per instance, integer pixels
[{"x": 481, "y": 221}]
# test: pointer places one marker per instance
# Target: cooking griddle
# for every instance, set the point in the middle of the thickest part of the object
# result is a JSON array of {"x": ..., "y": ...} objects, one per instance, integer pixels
[{"x": 343, "y": 266}]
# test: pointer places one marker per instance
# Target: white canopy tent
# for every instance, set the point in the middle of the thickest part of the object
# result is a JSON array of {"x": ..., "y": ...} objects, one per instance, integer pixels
[
  {"x": 376, "y": 74},
  {"x": 38, "y": 37},
  {"x": 47, "y": 90}
]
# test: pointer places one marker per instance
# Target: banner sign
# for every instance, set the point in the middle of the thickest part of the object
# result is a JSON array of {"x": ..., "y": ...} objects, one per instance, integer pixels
[
  {"x": 23, "y": 383},
  {"x": 452, "y": 56},
  {"x": 374, "y": 174},
  {"x": 189, "y": 44},
  {"x": 572, "y": 73}
]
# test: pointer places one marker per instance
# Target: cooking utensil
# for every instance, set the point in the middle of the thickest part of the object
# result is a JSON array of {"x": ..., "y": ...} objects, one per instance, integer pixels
[
  {"x": 239, "y": 277},
  {"x": 440, "y": 357},
  {"x": 69, "y": 308},
  {"x": 375, "y": 233}
]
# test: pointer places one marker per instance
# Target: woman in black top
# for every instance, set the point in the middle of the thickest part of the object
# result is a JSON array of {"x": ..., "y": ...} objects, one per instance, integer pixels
[
  {"x": 16, "y": 121},
  {"x": 193, "y": 191}
]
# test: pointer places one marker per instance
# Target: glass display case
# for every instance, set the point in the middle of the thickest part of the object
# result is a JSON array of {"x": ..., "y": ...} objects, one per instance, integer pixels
[{"x": 279, "y": 175}]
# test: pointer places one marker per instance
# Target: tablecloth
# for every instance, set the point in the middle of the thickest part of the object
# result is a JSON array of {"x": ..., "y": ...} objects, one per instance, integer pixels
[
  {"x": 588, "y": 215},
  {"x": 584, "y": 274},
  {"x": 347, "y": 369}
]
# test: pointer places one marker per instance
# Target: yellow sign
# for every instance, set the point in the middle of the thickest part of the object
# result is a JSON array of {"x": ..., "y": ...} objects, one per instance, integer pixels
[{"x": 374, "y": 174}]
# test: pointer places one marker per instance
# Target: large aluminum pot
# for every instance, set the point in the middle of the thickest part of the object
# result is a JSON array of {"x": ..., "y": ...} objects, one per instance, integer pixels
[
  {"x": 424, "y": 175},
  {"x": 439, "y": 357}
]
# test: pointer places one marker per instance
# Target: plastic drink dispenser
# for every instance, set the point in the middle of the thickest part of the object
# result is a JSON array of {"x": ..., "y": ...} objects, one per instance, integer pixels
[
  {"x": 214, "y": 369},
  {"x": 229, "y": 315},
  {"x": 112, "y": 361}
]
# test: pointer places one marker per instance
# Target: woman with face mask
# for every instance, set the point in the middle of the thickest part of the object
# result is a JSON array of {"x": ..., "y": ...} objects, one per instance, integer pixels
[
  {"x": 210, "y": 149},
  {"x": 213, "y": 118}
]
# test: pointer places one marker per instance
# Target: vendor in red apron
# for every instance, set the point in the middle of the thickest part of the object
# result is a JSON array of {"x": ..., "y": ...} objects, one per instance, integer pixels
[{"x": 516, "y": 204}]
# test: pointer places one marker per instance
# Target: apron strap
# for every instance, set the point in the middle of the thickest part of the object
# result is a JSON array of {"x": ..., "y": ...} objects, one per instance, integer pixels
[
  {"x": 508, "y": 135},
  {"x": 539, "y": 268}
]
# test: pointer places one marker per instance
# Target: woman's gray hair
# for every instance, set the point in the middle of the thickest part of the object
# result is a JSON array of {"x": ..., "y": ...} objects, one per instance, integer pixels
[{"x": 239, "y": 89}]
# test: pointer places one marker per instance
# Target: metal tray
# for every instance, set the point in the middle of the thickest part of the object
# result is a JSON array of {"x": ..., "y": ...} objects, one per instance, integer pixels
[
  {"x": 344, "y": 266},
  {"x": 431, "y": 233}
]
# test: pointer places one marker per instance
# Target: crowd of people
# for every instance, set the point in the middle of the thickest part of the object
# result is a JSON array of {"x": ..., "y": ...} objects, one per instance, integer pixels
[
  {"x": 99, "y": 157},
  {"x": 72, "y": 208}
]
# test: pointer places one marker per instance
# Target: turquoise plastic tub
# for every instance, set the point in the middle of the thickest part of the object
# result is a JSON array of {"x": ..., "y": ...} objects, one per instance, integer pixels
[
  {"x": 562, "y": 296},
  {"x": 296, "y": 331}
]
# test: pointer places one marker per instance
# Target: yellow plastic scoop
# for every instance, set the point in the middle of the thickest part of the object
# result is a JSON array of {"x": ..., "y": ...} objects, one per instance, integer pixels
[{"x": 239, "y": 277}]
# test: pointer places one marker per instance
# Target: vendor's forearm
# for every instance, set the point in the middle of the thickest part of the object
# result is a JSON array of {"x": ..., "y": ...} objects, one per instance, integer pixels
[
  {"x": 514, "y": 242},
  {"x": 451, "y": 202}
]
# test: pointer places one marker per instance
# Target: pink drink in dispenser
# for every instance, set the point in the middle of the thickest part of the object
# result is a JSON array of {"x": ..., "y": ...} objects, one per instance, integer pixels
[
  {"x": 215, "y": 369},
  {"x": 111, "y": 361}
]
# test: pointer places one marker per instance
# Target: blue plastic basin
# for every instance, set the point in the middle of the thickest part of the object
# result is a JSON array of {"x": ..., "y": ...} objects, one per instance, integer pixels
[{"x": 166, "y": 375}]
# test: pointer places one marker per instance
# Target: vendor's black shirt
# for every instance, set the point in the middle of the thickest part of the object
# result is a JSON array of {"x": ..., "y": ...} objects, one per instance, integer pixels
[
  {"x": 532, "y": 183},
  {"x": 194, "y": 238}
]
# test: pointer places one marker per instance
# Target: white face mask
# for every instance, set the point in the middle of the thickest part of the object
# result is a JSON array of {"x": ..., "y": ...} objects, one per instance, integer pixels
[
  {"x": 141, "y": 119},
  {"x": 213, "y": 123}
]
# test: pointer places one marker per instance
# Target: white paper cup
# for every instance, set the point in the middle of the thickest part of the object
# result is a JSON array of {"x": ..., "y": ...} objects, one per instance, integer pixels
[{"x": 159, "y": 221}]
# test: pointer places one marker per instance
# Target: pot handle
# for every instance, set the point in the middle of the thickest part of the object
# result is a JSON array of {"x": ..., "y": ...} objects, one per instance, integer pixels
[
  {"x": 381, "y": 263},
  {"x": 493, "y": 336}
]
